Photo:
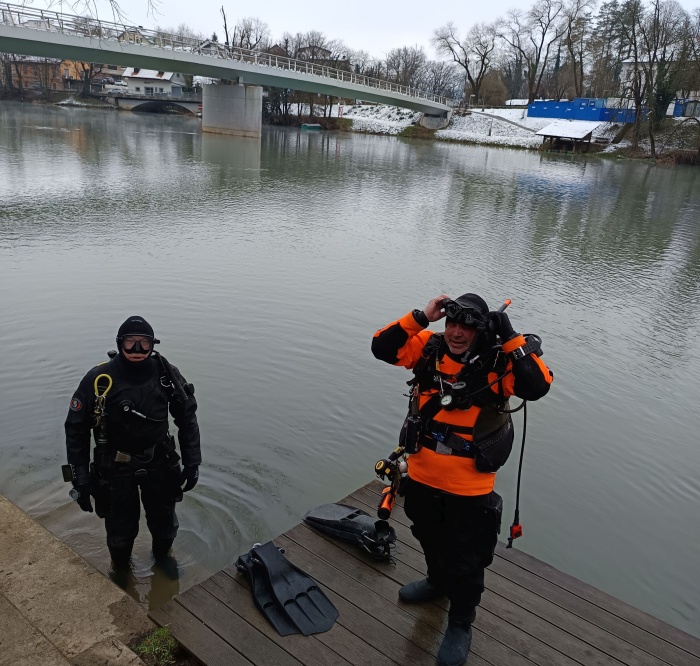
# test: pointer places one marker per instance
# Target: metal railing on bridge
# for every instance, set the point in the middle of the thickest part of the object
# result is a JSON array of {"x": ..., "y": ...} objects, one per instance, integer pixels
[{"x": 86, "y": 26}]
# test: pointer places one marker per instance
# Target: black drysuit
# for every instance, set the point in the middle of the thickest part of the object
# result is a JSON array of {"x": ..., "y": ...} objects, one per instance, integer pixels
[{"x": 136, "y": 417}]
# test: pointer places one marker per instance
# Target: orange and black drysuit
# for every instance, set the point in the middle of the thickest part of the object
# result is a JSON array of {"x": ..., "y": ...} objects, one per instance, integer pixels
[{"x": 449, "y": 496}]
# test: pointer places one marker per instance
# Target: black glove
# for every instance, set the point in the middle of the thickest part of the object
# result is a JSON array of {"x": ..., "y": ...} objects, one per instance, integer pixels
[
  {"x": 189, "y": 476},
  {"x": 499, "y": 323},
  {"x": 83, "y": 498}
]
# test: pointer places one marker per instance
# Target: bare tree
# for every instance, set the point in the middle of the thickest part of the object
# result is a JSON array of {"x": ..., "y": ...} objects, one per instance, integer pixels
[
  {"x": 577, "y": 21},
  {"x": 665, "y": 41},
  {"x": 659, "y": 39},
  {"x": 6, "y": 71},
  {"x": 634, "y": 85},
  {"x": 532, "y": 35},
  {"x": 473, "y": 54},
  {"x": 88, "y": 71},
  {"x": 252, "y": 34},
  {"x": 405, "y": 65},
  {"x": 361, "y": 62},
  {"x": 607, "y": 49},
  {"x": 223, "y": 15},
  {"x": 443, "y": 78}
]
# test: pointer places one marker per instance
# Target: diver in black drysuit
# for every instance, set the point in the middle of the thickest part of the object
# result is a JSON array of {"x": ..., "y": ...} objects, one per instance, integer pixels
[{"x": 139, "y": 454}]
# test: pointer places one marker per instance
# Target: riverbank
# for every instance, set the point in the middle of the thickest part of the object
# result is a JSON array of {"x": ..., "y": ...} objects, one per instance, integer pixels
[
  {"x": 678, "y": 141},
  {"x": 55, "y": 608}
]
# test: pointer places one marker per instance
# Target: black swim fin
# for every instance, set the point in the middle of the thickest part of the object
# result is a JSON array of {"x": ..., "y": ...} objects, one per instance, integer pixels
[
  {"x": 263, "y": 597},
  {"x": 290, "y": 599},
  {"x": 354, "y": 526}
]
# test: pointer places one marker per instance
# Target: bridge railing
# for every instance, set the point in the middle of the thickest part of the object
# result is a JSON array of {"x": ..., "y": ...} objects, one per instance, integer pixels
[{"x": 86, "y": 26}]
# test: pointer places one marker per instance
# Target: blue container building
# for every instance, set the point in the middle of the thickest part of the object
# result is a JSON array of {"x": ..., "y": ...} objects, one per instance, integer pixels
[{"x": 581, "y": 108}]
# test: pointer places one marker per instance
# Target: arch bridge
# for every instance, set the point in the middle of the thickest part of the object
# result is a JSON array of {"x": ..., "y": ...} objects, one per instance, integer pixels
[{"x": 235, "y": 109}]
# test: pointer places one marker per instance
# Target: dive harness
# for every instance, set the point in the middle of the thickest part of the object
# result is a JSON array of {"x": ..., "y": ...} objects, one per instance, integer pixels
[{"x": 419, "y": 421}]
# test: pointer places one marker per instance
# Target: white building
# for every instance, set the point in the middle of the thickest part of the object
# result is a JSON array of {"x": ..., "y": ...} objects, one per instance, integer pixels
[{"x": 151, "y": 82}]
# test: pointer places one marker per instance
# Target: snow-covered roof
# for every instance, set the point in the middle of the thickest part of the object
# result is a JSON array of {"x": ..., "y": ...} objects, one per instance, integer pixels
[
  {"x": 569, "y": 129},
  {"x": 137, "y": 73}
]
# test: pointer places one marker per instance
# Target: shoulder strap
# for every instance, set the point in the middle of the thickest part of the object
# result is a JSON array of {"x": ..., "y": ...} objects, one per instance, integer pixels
[{"x": 430, "y": 351}]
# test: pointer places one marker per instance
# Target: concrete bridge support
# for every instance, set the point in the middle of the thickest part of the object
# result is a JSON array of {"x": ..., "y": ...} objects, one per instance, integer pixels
[
  {"x": 232, "y": 109},
  {"x": 436, "y": 122}
]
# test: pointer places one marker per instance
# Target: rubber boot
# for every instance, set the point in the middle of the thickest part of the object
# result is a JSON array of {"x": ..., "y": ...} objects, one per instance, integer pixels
[
  {"x": 455, "y": 645},
  {"x": 161, "y": 548},
  {"x": 420, "y": 591},
  {"x": 121, "y": 555},
  {"x": 164, "y": 561}
]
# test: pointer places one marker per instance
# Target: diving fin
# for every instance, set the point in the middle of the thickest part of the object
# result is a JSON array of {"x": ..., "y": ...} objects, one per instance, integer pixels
[
  {"x": 290, "y": 599},
  {"x": 263, "y": 597},
  {"x": 354, "y": 526}
]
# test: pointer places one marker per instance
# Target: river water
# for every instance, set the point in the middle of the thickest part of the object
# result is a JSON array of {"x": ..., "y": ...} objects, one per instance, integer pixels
[{"x": 266, "y": 266}]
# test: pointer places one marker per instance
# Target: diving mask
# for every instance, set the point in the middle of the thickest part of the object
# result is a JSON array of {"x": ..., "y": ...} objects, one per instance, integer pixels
[{"x": 457, "y": 313}]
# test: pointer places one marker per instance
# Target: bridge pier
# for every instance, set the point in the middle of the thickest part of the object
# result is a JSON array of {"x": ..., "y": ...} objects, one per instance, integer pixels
[
  {"x": 232, "y": 109},
  {"x": 436, "y": 122}
]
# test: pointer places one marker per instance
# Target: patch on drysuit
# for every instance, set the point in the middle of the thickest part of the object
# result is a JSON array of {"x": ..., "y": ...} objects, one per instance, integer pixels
[{"x": 75, "y": 404}]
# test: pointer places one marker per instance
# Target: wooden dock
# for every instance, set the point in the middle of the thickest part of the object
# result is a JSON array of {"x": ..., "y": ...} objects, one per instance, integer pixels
[{"x": 530, "y": 613}]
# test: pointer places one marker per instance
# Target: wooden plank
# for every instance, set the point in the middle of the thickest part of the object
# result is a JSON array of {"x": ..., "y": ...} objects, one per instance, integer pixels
[
  {"x": 544, "y": 620},
  {"x": 350, "y": 633},
  {"x": 417, "y": 623},
  {"x": 250, "y": 642},
  {"x": 648, "y": 623},
  {"x": 394, "y": 624},
  {"x": 663, "y": 642},
  {"x": 620, "y": 628},
  {"x": 235, "y": 594},
  {"x": 513, "y": 637},
  {"x": 196, "y": 637},
  {"x": 530, "y": 613}
]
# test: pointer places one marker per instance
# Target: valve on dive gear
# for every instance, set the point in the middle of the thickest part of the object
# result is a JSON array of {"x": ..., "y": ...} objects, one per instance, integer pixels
[
  {"x": 387, "y": 467},
  {"x": 74, "y": 494},
  {"x": 128, "y": 406},
  {"x": 391, "y": 468}
]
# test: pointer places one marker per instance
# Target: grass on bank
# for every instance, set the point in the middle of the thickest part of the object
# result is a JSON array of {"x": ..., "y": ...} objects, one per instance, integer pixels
[
  {"x": 159, "y": 648},
  {"x": 416, "y": 132}
]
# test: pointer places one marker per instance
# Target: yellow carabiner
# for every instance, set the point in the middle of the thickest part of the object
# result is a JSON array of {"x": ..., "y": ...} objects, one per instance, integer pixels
[{"x": 97, "y": 388}]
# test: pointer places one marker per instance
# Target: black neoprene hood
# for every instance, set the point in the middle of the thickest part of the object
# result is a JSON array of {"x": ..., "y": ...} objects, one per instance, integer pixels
[{"x": 135, "y": 326}]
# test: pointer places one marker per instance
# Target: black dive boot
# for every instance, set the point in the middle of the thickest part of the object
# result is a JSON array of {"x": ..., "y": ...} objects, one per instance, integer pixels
[
  {"x": 455, "y": 645},
  {"x": 420, "y": 591},
  {"x": 161, "y": 548},
  {"x": 165, "y": 562},
  {"x": 121, "y": 555},
  {"x": 121, "y": 560}
]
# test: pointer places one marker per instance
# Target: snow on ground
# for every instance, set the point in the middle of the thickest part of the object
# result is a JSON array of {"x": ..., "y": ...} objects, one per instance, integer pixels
[
  {"x": 500, "y": 127},
  {"x": 379, "y": 119},
  {"x": 491, "y": 127}
]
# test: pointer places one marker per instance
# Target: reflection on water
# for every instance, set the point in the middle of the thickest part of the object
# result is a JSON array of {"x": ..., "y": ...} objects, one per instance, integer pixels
[{"x": 265, "y": 267}]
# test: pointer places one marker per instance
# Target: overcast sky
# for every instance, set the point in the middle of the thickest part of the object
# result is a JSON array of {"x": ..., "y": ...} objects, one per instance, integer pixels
[{"x": 376, "y": 26}]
